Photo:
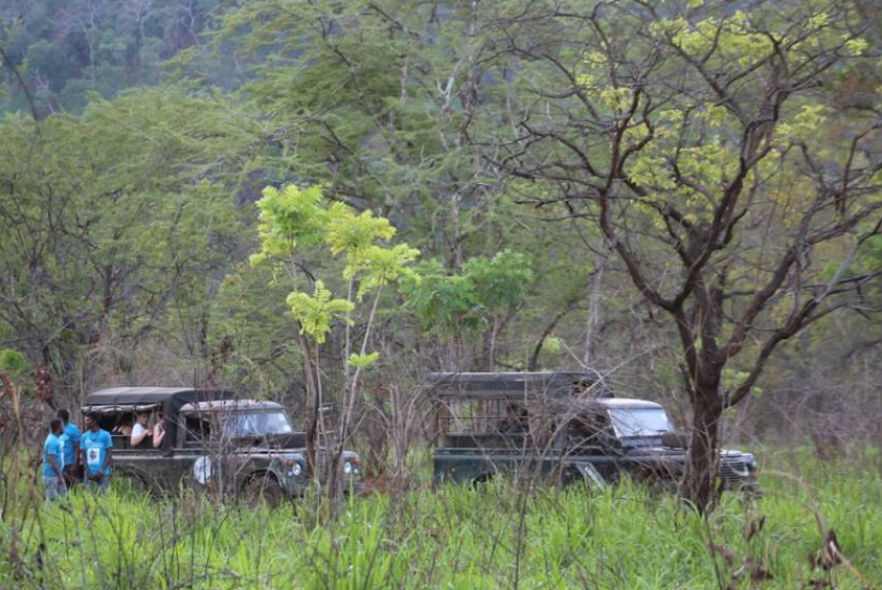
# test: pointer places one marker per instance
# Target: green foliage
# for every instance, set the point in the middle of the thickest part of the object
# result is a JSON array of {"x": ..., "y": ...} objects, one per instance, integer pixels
[
  {"x": 441, "y": 300},
  {"x": 352, "y": 233},
  {"x": 456, "y": 537},
  {"x": 485, "y": 289},
  {"x": 68, "y": 49},
  {"x": 315, "y": 313},
  {"x": 122, "y": 215},
  {"x": 13, "y": 362},
  {"x": 289, "y": 218},
  {"x": 292, "y": 219},
  {"x": 552, "y": 345},
  {"x": 362, "y": 360},
  {"x": 499, "y": 283},
  {"x": 356, "y": 236}
]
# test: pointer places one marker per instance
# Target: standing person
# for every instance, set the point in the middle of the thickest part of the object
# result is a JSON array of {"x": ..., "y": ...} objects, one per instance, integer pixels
[
  {"x": 70, "y": 438},
  {"x": 53, "y": 461},
  {"x": 97, "y": 449},
  {"x": 140, "y": 431}
]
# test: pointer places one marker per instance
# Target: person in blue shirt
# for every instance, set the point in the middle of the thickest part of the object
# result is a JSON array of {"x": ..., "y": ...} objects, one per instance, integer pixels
[
  {"x": 71, "y": 440},
  {"x": 53, "y": 462},
  {"x": 96, "y": 451}
]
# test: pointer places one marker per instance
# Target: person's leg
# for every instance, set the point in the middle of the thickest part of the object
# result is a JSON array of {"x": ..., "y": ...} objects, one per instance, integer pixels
[
  {"x": 105, "y": 480},
  {"x": 51, "y": 485}
]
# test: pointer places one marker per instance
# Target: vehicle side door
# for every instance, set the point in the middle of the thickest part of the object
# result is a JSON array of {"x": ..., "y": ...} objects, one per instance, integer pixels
[
  {"x": 192, "y": 461},
  {"x": 590, "y": 437}
]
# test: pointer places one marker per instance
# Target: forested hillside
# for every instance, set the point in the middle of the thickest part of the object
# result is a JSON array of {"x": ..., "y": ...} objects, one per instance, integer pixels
[{"x": 685, "y": 196}]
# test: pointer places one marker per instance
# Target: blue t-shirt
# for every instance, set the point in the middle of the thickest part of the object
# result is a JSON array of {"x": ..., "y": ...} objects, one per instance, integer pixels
[
  {"x": 52, "y": 446},
  {"x": 94, "y": 445},
  {"x": 70, "y": 436}
]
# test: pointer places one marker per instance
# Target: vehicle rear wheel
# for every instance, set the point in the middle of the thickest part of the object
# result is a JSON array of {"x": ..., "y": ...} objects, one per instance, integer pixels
[
  {"x": 478, "y": 482},
  {"x": 134, "y": 483}
]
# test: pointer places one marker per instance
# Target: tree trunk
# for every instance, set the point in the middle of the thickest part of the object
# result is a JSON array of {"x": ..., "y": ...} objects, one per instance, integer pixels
[
  {"x": 702, "y": 462},
  {"x": 312, "y": 404}
]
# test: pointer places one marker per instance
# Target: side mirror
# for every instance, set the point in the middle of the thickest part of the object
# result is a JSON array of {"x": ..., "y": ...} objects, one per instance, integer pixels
[{"x": 675, "y": 440}]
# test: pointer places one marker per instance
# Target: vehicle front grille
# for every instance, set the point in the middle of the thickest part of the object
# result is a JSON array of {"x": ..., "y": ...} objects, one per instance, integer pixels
[{"x": 734, "y": 472}]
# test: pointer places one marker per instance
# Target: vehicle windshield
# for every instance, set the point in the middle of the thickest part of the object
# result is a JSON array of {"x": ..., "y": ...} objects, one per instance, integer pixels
[
  {"x": 245, "y": 424},
  {"x": 640, "y": 421}
]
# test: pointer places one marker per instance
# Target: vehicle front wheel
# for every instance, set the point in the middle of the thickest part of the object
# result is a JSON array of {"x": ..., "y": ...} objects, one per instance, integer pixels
[{"x": 263, "y": 488}]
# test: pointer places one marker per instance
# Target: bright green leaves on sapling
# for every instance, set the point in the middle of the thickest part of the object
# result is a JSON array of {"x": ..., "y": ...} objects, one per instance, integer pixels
[
  {"x": 381, "y": 266},
  {"x": 361, "y": 361},
  {"x": 315, "y": 313},
  {"x": 355, "y": 235},
  {"x": 292, "y": 219},
  {"x": 289, "y": 218}
]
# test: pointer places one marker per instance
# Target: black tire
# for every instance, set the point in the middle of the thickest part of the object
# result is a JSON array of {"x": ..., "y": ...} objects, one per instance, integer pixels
[
  {"x": 263, "y": 487},
  {"x": 479, "y": 482},
  {"x": 134, "y": 483}
]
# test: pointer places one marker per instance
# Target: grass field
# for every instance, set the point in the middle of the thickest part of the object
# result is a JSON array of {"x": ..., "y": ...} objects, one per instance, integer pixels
[{"x": 499, "y": 536}]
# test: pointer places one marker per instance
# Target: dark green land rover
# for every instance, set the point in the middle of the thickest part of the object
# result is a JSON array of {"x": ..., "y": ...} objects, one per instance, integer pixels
[
  {"x": 564, "y": 425},
  {"x": 212, "y": 440}
]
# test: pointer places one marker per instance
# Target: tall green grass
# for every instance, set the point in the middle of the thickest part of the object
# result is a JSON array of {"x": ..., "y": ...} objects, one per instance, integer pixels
[{"x": 501, "y": 535}]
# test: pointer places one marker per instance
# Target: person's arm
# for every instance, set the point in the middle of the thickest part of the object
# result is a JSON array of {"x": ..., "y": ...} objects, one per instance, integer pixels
[
  {"x": 53, "y": 462},
  {"x": 158, "y": 434},
  {"x": 107, "y": 456},
  {"x": 139, "y": 433},
  {"x": 76, "y": 449}
]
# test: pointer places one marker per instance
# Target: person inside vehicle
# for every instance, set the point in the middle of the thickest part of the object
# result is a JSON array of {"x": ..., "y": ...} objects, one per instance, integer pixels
[
  {"x": 158, "y": 431},
  {"x": 587, "y": 429},
  {"x": 53, "y": 461},
  {"x": 516, "y": 421},
  {"x": 70, "y": 438},
  {"x": 96, "y": 449},
  {"x": 140, "y": 431},
  {"x": 123, "y": 425}
]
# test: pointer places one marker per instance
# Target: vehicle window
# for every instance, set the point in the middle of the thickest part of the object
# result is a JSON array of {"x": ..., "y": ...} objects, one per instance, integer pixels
[
  {"x": 113, "y": 423},
  {"x": 586, "y": 428},
  {"x": 195, "y": 429},
  {"x": 640, "y": 421},
  {"x": 245, "y": 424}
]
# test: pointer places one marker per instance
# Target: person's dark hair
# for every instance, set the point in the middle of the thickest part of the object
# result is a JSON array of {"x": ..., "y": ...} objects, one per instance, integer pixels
[
  {"x": 55, "y": 424},
  {"x": 64, "y": 415}
]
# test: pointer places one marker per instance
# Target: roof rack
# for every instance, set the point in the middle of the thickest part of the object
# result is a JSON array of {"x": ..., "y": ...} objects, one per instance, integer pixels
[
  {"x": 133, "y": 398},
  {"x": 517, "y": 385}
]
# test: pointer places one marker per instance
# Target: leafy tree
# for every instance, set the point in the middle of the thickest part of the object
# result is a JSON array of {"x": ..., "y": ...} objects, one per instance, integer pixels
[
  {"x": 117, "y": 218},
  {"x": 704, "y": 141},
  {"x": 480, "y": 299},
  {"x": 291, "y": 220},
  {"x": 374, "y": 99},
  {"x": 66, "y": 49}
]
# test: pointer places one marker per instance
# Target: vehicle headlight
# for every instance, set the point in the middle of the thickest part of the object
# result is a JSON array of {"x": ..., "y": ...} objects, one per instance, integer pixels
[
  {"x": 296, "y": 469},
  {"x": 347, "y": 467}
]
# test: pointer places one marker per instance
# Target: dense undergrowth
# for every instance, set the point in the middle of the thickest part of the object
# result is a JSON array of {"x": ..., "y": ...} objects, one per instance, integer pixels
[{"x": 501, "y": 535}]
